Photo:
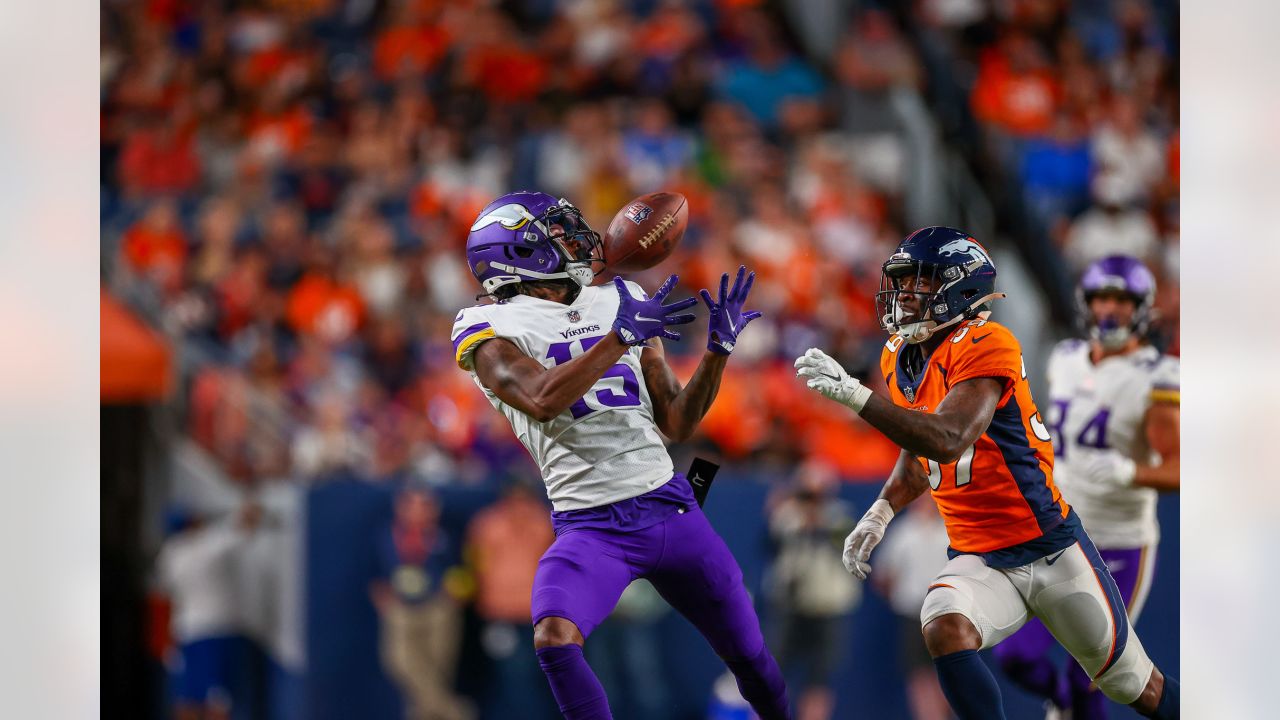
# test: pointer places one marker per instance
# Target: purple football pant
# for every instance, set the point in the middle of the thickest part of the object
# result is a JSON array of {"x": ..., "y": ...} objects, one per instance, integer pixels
[
  {"x": 584, "y": 572},
  {"x": 1024, "y": 656}
]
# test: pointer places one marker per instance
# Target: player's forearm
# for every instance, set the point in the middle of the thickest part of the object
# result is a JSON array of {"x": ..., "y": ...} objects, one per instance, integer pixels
[
  {"x": 693, "y": 401},
  {"x": 906, "y": 483},
  {"x": 939, "y": 437},
  {"x": 561, "y": 386},
  {"x": 1165, "y": 477}
]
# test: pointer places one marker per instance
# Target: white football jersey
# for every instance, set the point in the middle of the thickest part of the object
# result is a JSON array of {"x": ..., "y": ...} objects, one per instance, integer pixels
[
  {"x": 1099, "y": 407},
  {"x": 606, "y": 446}
]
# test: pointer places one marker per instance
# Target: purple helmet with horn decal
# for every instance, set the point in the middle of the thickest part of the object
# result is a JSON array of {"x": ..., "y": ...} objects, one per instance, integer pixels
[
  {"x": 1125, "y": 276},
  {"x": 524, "y": 236}
]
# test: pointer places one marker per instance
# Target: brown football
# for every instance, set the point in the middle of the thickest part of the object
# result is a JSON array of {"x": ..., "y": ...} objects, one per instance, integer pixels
[{"x": 645, "y": 231}]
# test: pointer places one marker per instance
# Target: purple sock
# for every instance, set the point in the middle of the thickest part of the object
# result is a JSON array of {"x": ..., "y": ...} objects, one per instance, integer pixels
[
  {"x": 575, "y": 687},
  {"x": 969, "y": 686},
  {"x": 1033, "y": 671},
  {"x": 761, "y": 685},
  {"x": 1087, "y": 703}
]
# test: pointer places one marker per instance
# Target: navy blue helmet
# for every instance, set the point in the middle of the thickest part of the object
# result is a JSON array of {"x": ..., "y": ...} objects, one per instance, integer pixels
[{"x": 956, "y": 269}]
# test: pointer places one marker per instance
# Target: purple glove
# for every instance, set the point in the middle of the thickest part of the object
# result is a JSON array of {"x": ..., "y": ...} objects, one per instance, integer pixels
[
  {"x": 727, "y": 318},
  {"x": 639, "y": 320}
]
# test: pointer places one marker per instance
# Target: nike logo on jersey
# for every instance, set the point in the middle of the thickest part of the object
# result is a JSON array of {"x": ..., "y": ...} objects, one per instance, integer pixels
[
  {"x": 977, "y": 340},
  {"x": 1054, "y": 559}
]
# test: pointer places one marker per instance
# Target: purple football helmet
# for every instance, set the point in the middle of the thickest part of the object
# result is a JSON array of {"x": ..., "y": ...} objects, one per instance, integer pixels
[
  {"x": 531, "y": 236},
  {"x": 1123, "y": 275}
]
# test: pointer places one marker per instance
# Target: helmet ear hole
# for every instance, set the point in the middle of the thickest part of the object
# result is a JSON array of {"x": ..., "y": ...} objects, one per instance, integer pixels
[{"x": 524, "y": 252}]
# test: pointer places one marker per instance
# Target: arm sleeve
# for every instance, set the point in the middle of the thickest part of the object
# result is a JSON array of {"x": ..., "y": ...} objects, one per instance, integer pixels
[
  {"x": 987, "y": 350},
  {"x": 470, "y": 328},
  {"x": 1164, "y": 381}
]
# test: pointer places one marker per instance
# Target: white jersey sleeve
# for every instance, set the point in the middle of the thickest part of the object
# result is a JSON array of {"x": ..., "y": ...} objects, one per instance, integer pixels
[
  {"x": 470, "y": 328},
  {"x": 1165, "y": 381}
]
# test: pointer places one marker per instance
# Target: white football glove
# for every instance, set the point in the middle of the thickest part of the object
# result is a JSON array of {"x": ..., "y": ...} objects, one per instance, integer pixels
[
  {"x": 827, "y": 377},
  {"x": 1106, "y": 468},
  {"x": 865, "y": 536}
]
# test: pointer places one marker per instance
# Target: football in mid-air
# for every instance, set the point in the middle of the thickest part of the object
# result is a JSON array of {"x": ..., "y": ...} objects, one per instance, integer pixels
[{"x": 645, "y": 231}]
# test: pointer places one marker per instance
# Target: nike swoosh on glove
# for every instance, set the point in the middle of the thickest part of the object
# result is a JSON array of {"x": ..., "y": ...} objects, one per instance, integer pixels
[
  {"x": 826, "y": 376},
  {"x": 639, "y": 319},
  {"x": 727, "y": 318}
]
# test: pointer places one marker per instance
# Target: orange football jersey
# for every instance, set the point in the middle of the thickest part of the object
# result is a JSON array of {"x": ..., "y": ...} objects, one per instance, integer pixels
[{"x": 1000, "y": 493}]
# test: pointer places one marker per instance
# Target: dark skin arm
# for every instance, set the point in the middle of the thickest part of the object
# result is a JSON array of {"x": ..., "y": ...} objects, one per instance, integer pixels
[
  {"x": 1161, "y": 428},
  {"x": 943, "y": 435},
  {"x": 906, "y": 482},
  {"x": 678, "y": 410},
  {"x": 541, "y": 393}
]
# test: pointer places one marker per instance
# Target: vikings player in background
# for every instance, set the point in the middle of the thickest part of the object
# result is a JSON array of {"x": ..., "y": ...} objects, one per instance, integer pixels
[
  {"x": 960, "y": 407},
  {"x": 1114, "y": 423},
  {"x": 579, "y": 372}
]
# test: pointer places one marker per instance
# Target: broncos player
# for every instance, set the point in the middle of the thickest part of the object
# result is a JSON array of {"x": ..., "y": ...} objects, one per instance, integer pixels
[
  {"x": 1115, "y": 425},
  {"x": 962, "y": 412},
  {"x": 580, "y": 374}
]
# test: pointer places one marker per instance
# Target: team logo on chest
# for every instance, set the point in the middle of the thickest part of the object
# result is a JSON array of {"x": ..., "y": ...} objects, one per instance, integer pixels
[
  {"x": 910, "y": 392},
  {"x": 574, "y": 316}
]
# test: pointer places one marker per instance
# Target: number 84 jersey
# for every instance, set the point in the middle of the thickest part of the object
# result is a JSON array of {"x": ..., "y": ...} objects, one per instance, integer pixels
[
  {"x": 1101, "y": 407},
  {"x": 606, "y": 446}
]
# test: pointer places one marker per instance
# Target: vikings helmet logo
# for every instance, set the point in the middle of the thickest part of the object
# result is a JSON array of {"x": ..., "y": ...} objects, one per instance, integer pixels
[
  {"x": 967, "y": 247},
  {"x": 511, "y": 216}
]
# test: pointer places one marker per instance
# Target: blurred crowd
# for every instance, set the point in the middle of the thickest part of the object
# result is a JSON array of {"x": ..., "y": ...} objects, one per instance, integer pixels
[
  {"x": 1077, "y": 108},
  {"x": 287, "y": 186}
]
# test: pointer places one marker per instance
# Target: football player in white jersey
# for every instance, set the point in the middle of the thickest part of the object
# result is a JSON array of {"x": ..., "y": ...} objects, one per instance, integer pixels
[
  {"x": 579, "y": 372},
  {"x": 1114, "y": 424}
]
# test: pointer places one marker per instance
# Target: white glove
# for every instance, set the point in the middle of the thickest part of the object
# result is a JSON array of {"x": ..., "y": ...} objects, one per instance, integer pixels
[
  {"x": 1106, "y": 468},
  {"x": 827, "y": 377},
  {"x": 864, "y": 538}
]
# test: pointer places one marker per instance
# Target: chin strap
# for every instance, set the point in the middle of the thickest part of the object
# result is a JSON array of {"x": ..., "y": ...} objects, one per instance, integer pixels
[
  {"x": 580, "y": 273},
  {"x": 917, "y": 332}
]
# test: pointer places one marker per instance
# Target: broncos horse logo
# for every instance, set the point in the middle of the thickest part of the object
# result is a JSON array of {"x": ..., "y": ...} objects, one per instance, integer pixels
[{"x": 967, "y": 247}]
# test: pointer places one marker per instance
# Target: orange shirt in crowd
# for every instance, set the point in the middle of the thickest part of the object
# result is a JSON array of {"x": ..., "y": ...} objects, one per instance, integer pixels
[
  {"x": 1022, "y": 103},
  {"x": 317, "y": 305},
  {"x": 415, "y": 49},
  {"x": 504, "y": 543},
  {"x": 156, "y": 252},
  {"x": 157, "y": 162}
]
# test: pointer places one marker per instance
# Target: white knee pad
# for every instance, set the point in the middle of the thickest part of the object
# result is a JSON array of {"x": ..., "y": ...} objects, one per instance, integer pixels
[
  {"x": 983, "y": 596},
  {"x": 1125, "y": 680}
]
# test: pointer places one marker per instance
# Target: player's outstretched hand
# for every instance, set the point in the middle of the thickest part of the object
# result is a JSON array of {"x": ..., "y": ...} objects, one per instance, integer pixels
[
  {"x": 642, "y": 318},
  {"x": 865, "y": 536},
  {"x": 826, "y": 376},
  {"x": 1103, "y": 468},
  {"x": 727, "y": 317}
]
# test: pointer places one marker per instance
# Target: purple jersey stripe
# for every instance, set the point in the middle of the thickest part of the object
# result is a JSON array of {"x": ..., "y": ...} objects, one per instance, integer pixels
[
  {"x": 462, "y": 336},
  {"x": 1166, "y": 386}
]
